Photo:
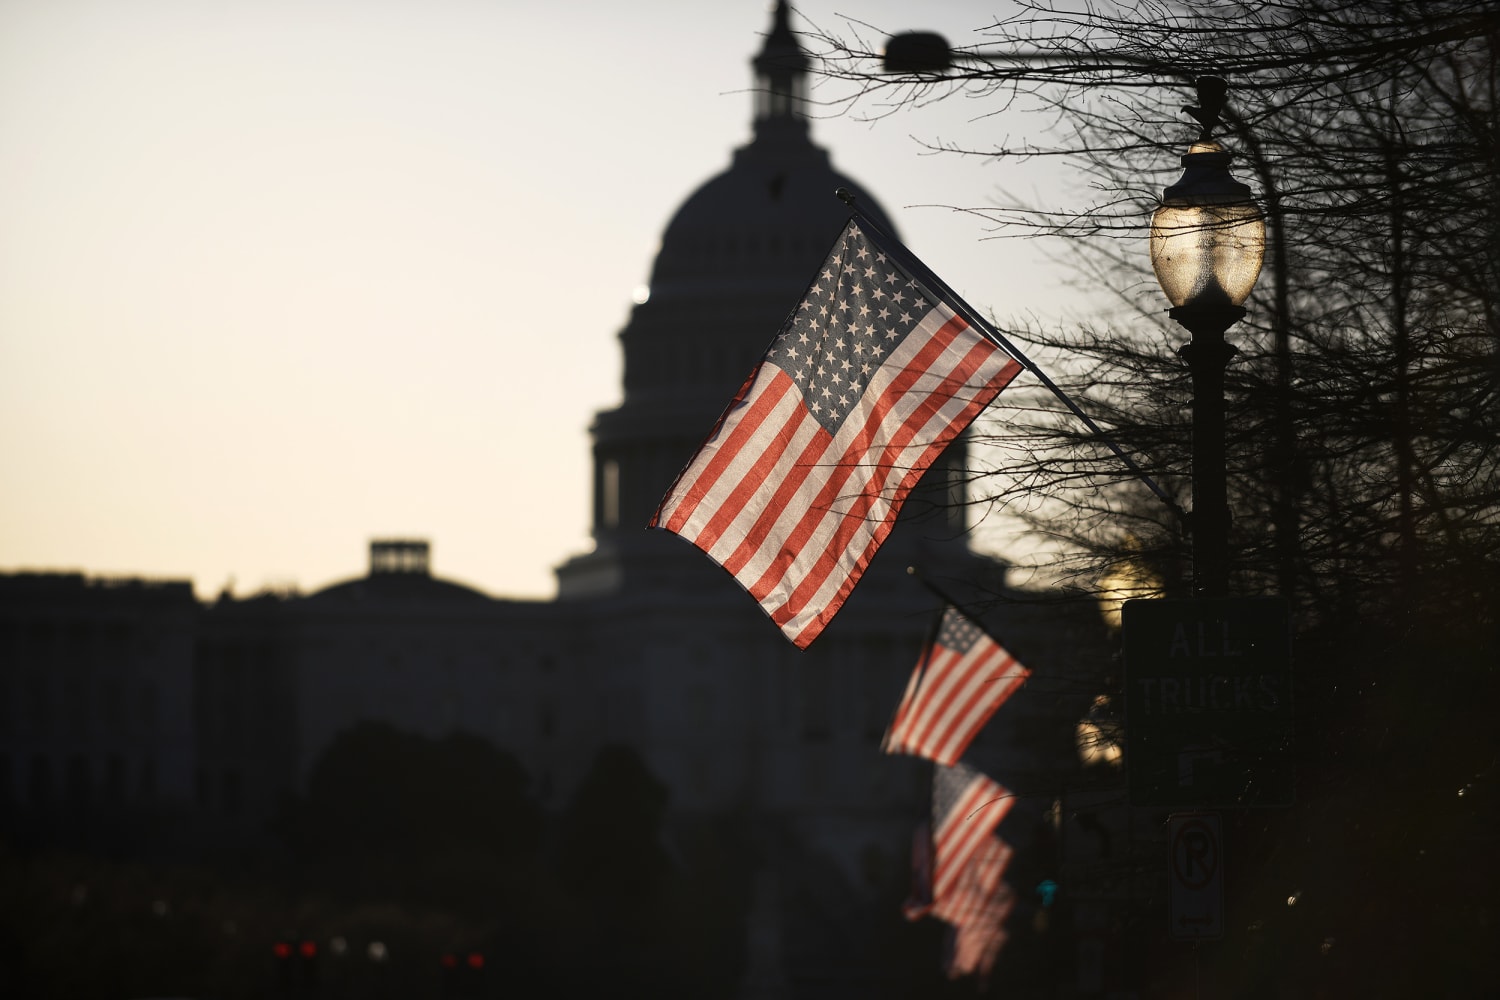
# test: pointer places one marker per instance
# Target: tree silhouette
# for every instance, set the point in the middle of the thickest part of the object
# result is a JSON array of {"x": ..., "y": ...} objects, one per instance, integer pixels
[{"x": 1363, "y": 439}]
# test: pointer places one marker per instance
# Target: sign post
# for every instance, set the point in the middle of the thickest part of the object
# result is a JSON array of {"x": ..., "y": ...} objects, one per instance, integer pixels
[{"x": 1208, "y": 703}]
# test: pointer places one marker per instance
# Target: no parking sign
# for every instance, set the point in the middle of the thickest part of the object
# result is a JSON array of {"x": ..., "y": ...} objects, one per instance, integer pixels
[{"x": 1196, "y": 873}]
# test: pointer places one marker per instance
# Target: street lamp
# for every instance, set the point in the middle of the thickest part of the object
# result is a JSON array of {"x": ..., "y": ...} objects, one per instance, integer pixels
[{"x": 1208, "y": 240}]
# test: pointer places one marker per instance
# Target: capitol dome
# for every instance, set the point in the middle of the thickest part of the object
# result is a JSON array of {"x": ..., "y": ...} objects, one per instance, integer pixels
[
  {"x": 734, "y": 261},
  {"x": 738, "y": 254}
]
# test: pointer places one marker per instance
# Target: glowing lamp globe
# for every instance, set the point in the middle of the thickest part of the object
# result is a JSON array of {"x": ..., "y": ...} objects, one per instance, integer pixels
[{"x": 1208, "y": 237}]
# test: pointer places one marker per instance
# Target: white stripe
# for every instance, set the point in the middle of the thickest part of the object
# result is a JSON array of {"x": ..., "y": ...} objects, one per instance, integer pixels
[
  {"x": 717, "y": 492},
  {"x": 975, "y": 698},
  {"x": 957, "y": 677},
  {"x": 806, "y": 429},
  {"x": 789, "y": 462},
  {"x": 898, "y": 415},
  {"x": 939, "y": 423},
  {"x": 934, "y": 682}
]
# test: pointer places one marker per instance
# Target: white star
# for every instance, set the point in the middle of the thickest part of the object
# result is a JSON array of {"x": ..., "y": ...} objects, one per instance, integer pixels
[
  {"x": 891, "y": 279},
  {"x": 846, "y": 364},
  {"x": 876, "y": 350},
  {"x": 906, "y": 317},
  {"x": 897, "y": 298},
  {"x": 883, "y": 314},
  {"x": 843, "y": 400},
  {"x": 839, "y": 344},
  {"x": 880, "y": 257},
  {"x": 864, "y": 369},
  {"x": 803, "y": 339},
  {"x": 869, "y": 329},
  {"x": 869, "y": 272},
  {"x": 864, "y": 310},
  {"x": 863, "y": 253}
]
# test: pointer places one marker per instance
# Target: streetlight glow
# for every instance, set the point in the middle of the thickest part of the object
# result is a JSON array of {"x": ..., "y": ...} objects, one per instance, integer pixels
[{"x": 1208, "y": 237}]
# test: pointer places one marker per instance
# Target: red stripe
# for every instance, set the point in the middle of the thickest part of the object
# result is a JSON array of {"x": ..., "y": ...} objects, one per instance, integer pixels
[
  {"x": 974, "y": 816},
  {"x": 895, "y": 741},
  {"x": 812, "y": 629},
  {"x": 915, "y": 705},
  {"x": 756, "y": 480},
  {"x": 972, "y": 717},
  {"x": 923, "y": 718},
  {"x": 807, "y": 464},
  {"x": 927, "y": 715},
  {"x": 858, "y": 449},
  {"x": 854, "y": 521},
  {"x": 741, "y": 435}
]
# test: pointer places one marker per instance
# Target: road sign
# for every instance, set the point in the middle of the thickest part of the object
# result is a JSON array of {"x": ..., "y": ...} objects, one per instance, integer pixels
[
  {"x": 1196, "y": 872},
  {"x": 1208, "y": 703}
]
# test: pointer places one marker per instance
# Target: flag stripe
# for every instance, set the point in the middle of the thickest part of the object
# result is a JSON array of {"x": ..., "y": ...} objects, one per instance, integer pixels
[
  {"x": 976, "y": 813},
  {"x": 873, "y": 514},
  {"x": 961, "y": 697},
  {"x": 961, "y": 679},
  {"x": 961, "y": 879},
  {"x": 802, "y": 514},
  {"x": 741, "y": 425},
  {"x": 783, "y": 467},
  {"x": 829, "y": 579}
]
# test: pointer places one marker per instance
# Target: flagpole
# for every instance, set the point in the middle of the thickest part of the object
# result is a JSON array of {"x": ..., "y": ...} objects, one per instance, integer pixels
[
  {"x": 977, "y": 321},
  {"x": 947, "y": 598}
]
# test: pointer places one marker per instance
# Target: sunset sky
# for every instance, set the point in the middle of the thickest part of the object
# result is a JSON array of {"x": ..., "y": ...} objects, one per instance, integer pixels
[{"x": 280, "y": 276}]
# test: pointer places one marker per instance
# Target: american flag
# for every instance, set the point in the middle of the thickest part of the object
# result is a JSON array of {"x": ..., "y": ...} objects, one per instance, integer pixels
[
  {"x": 962, "y": 677},
  {"x": 977, "y": 910},
  {"x": 799, "y": 483},
  {"x": 967, "y": 806}
]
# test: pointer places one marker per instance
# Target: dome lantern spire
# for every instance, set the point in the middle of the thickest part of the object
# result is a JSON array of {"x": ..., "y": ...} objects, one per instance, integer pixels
[{"x": 780, "y": 74}]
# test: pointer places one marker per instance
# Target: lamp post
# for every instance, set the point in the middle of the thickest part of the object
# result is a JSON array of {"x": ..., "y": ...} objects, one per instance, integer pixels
[{"x": 1208, "y": 240}]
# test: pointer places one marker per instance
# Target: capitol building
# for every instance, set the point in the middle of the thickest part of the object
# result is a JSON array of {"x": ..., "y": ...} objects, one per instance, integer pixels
[{"x": 126, "y": 691}]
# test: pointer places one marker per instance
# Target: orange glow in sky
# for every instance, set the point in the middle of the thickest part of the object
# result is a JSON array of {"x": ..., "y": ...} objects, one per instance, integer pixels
[{"x": 279, "y": 277}]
